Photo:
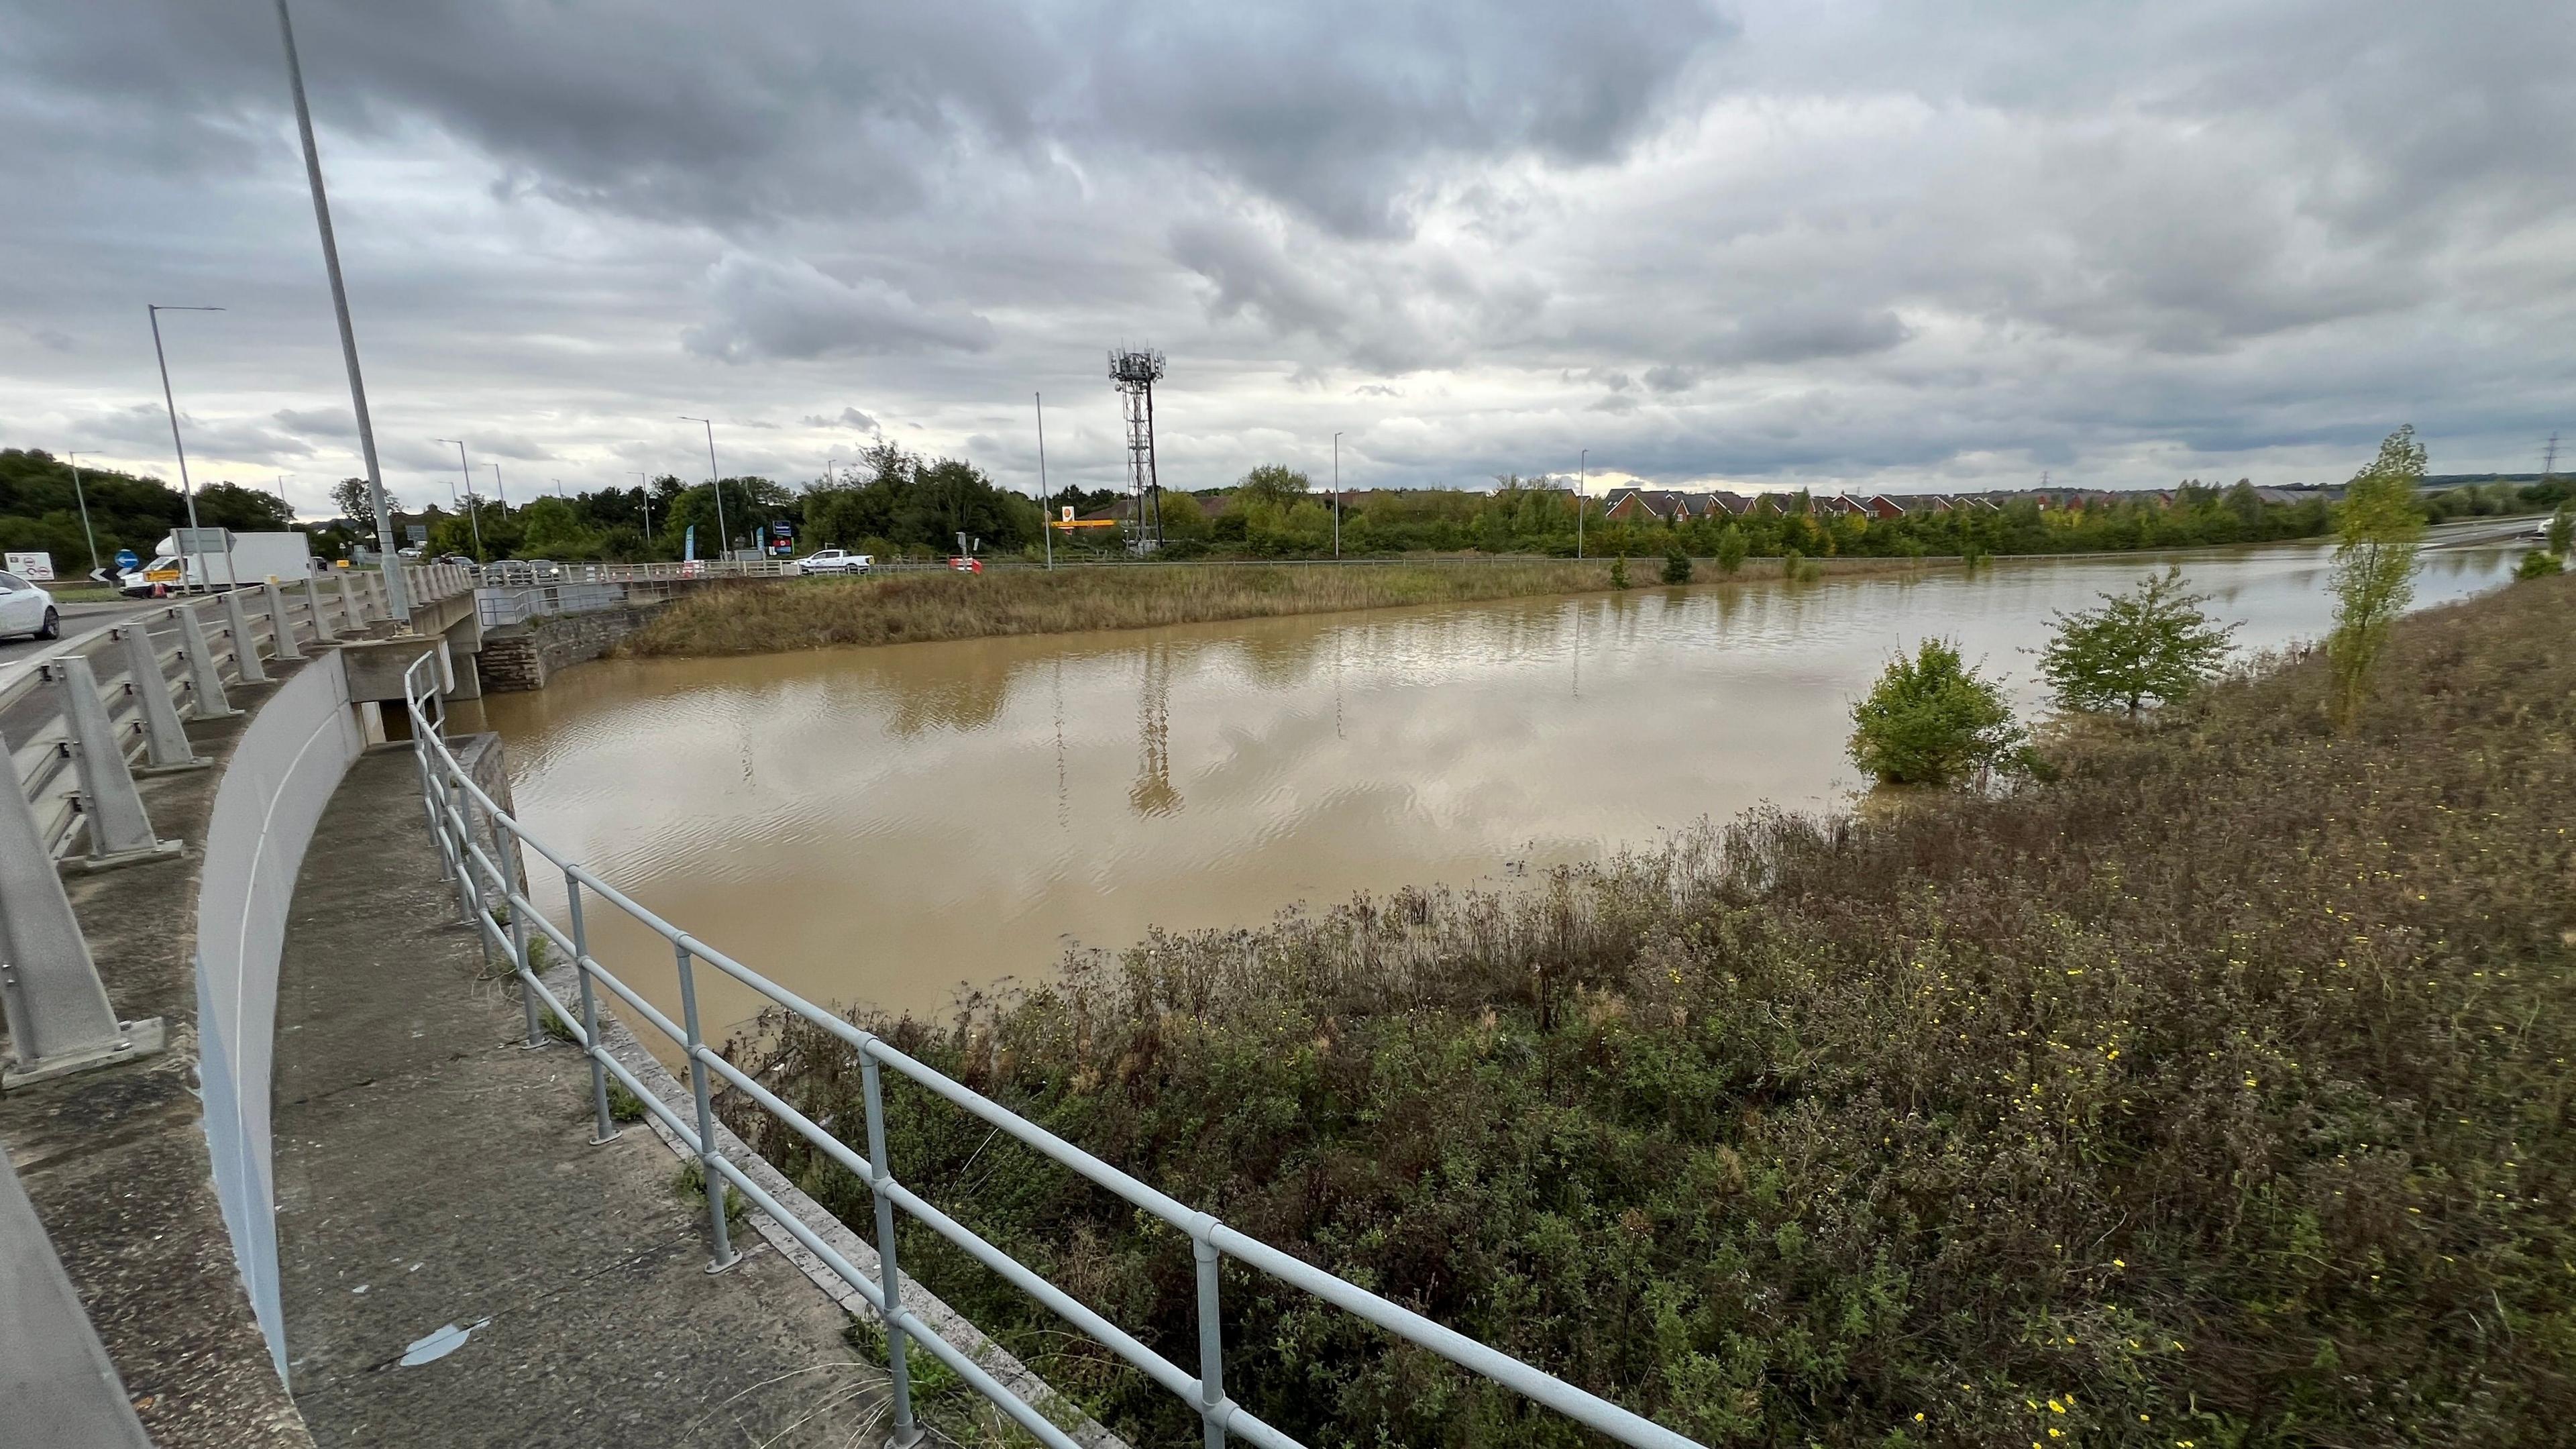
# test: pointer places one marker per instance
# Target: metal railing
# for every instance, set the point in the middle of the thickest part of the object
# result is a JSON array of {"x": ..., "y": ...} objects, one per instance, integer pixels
[
  {"x": 497, "y": 607},
  {"x": 480, "y": 848}
]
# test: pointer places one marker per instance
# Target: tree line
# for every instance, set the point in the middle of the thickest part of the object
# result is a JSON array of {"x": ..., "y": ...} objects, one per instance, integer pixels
[{"x": 40, "y": 510}]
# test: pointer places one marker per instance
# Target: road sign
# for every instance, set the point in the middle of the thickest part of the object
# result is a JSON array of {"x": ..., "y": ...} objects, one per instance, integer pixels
[
  {"x": 416, "y": 532},
  {"x": 38, "y": 567},
  {"x": 203, "y": 540},
  {"x": 127, "y": 561}
]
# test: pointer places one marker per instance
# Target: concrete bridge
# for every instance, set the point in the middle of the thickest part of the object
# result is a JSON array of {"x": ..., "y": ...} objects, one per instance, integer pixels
[{"x": 312, "y": 1111}]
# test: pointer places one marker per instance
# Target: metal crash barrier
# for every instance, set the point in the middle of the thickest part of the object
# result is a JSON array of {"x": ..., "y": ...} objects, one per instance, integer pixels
[{"x": 480, "y": 845}]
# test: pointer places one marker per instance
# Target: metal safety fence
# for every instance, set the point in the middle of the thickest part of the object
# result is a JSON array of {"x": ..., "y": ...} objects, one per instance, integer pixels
[
  {"x": 481, "y": 849},
  {"x": 499, "y": 607}
]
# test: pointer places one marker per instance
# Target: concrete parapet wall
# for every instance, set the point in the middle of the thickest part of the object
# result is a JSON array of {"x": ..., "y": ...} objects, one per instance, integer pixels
[
  {"x": 524, "y": 656},
  {"x": 281, "y": 774}
]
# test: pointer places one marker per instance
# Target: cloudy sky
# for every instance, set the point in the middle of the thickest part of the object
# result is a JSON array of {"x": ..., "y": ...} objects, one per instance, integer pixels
[{"x": 1770, "y": 243}]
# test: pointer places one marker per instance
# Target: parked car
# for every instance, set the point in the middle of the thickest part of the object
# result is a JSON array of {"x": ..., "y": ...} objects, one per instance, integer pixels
[
  {"x": 834, "y": 561},
  {"x": 27, "y": 609},
  {"x": 965, "y": 565}
]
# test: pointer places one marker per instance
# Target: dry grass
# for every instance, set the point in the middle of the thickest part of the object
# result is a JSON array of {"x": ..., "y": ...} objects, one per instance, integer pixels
[{"x": 813, "y": 613}]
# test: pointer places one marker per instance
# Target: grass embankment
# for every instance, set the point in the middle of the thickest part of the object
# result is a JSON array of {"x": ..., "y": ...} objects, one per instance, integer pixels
[
  {"x": 812, "y": 613},
  {"x": 2216, "y": 1093}
]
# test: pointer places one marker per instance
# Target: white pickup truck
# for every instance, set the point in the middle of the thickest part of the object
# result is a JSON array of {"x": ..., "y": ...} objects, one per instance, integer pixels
[{"x": 834, "y": 561}]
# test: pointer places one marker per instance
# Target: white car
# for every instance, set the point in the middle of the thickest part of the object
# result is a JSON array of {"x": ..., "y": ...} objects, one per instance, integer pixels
[
  {"x": 26, "y": 609},
  {"x": 834, "y": 561}
]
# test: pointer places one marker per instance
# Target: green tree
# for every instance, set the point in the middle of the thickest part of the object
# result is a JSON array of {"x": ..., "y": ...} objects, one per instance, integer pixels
[
  {"x": 2562, "y": 531},
  {"x": 1677, "y": 566},
  {"x": 2153, "y": 644},
  {"x": 1932, "y": 720},
  {"x": 2374, "y": 566},
  {"x": 555, "y": 531},
  {"x": 350, "y": 496},
  {"x": 1731, "y": 549},
  {"x": 1272, "y": 483},
  {"x": 1619, "y": 572}
]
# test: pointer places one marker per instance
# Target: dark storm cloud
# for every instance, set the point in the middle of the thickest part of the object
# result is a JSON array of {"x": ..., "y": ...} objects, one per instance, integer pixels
[{"x": 1776, "y": 240}]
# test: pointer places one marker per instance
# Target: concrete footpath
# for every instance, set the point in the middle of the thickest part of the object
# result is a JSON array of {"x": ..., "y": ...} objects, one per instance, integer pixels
[{"x": 460, "y": 1266}]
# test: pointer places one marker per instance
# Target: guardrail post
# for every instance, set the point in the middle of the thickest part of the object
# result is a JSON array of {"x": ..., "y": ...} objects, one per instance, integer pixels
[
  {"x": 245, "y": 643},
  {"x": 514, "y": 891},
  {"x": 604, "y": 1126},
  {"x": 468, "y": 895},
  {"x": 204, "y": 679},
  {"x": 1211, "y": 1340},
  {"x": 889, "y": 1276},
  {"x": 282, "y": 647},
  {"x": 57, "y": 1010},
  {"x": 350, "y": 621},
  {"x": 165, "y": 740},
  {"x": 722, "y": 1256},
  {"x": 313, "y": 605},
  {"x": 118, "y": 827}
]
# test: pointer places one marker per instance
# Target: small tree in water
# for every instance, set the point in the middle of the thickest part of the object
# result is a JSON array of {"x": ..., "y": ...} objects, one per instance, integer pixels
[
  {"x": 2151, "y": 645},
  {"x": 1619, "y": 572},
  {"x": 2374, "y": 567},
  {"x": 1731, "y": 549},
  {"x": 1677, "y": 566},
  {"x": 1932, "y": 720}
]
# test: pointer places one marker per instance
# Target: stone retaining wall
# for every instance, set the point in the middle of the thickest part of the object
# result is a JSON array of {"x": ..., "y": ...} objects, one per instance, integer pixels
[{"x": 524, "y": 656}]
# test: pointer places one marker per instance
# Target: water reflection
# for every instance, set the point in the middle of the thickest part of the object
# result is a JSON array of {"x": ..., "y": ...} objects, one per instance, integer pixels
[{"x": 874, "y": 824}]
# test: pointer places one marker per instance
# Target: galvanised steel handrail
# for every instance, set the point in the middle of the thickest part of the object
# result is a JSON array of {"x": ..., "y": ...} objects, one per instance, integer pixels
[{"x": 464, "y": 820}]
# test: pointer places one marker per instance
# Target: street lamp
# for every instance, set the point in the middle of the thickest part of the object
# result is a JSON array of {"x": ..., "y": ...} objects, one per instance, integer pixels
[
  {"x": 397, "y": 596},
  {"x": 1581, "y": 481},
  {"x": 1046, "y": 502},
  {"x": 1337, "y": 495},
  {"x": 154, "y": 312},
  {"x": 644, "y": 495},
  {"x": 83, "y": 496},
  {"x": 724, "y": 538},
  {"x": 472, "y": 513},
  {"x": 503, "y": 494}
]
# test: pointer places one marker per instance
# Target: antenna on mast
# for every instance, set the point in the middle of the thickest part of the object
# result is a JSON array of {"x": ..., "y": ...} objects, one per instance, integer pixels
[{"x": 1134, "y": 372}]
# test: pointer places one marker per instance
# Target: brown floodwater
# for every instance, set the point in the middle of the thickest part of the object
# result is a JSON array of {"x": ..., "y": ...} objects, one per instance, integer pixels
[{"x": 892, "y": 825}]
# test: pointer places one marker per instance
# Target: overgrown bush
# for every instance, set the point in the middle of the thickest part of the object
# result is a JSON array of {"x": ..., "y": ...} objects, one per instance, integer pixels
[
  {"x": 1933, "y": 720},
  {"x": 2215, "y": 1093},
  {"x": 2154, "y": 644}
]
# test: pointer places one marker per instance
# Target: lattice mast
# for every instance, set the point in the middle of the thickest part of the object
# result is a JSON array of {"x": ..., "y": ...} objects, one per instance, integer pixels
[{"x": 1135, "y": 371}]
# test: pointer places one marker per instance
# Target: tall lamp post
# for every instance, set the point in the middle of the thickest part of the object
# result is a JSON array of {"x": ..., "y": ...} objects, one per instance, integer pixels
[
  {"x": 83, "y": 496},
  {"x": 1581, "y": 482},
  {"x": 1337, "y": 495},
  {"x": 154, "y": 311},
  {"x": 724, "y": 536},
  {"x": 472, "y": 513},
  {"x": 397, "y": 598},
  {"x": 1046, "y": 500},
  {"x": 644, "y": 495}
]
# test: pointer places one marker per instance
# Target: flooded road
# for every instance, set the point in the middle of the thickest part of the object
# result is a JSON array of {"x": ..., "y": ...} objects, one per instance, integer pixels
[{"x": 882, "y": 825}]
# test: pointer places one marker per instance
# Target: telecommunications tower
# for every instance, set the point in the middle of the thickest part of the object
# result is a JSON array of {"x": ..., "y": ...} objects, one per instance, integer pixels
[{"x": 1135, "y": 372}]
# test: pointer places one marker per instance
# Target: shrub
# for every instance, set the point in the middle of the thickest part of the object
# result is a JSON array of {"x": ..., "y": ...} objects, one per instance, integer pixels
[
  {"x": 1932, "y": 720},
  {"x": 2154, "y": 643},
  {"x": 1677, "y": 566},
  {"x": 2538, "y": 565},
  {"x": 1619, "y": 572},
  {"x": 1731, "y": 549},
  {"x": 2374, "y": 566}
]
